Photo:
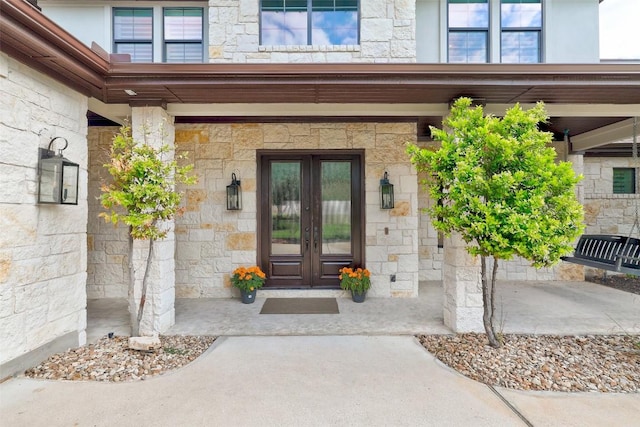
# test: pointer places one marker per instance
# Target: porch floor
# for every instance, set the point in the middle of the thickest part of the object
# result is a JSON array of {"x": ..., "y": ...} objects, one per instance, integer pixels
[{"x": 571, "y": 308}]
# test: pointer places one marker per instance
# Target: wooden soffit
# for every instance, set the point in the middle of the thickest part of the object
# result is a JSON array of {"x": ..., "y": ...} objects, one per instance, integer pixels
[{"x": 33, "y": 39}]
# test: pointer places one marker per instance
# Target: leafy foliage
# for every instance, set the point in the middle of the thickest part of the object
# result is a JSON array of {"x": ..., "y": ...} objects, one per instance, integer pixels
[
  {"x": 356, "y": 280},
  {"x": 142, "y": 192},
  {"x": 248, "y": 278},
  {"x": 495, "y": 181}
]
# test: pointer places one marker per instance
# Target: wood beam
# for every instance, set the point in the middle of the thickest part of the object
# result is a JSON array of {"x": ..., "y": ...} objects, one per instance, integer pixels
[{"x": 603, "y": 135}]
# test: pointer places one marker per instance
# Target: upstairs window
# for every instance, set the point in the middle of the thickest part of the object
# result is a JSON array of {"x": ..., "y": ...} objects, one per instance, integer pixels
[
  {"x": 183, "y": 34},
  {"x": 309, "y": 22},
  {"x": 133, "y": 33},
  {"x": 468, "y": 31},
  {"x": 521, "y": 24}
]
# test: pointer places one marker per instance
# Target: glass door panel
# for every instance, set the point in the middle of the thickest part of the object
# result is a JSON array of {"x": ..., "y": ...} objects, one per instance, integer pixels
[
  {"x": 335, "y": 188},
  {"x": 285, "y": 208}
]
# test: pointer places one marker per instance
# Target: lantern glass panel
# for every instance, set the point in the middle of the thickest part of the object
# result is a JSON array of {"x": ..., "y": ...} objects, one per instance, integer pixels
[
  {"x": 386, "y": 196},
  {"x": 234, "y": 201},
  {"x": 69, "y": 194},
  {"x": 49, "y": 190}
]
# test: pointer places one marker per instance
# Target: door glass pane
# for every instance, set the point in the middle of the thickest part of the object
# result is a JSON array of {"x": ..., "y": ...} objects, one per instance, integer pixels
[
  {"x": 285, "y": 208},
  {"x": 336, "y": 207}
]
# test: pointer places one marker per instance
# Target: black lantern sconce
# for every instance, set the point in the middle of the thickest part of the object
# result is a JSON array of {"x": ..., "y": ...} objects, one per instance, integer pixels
[
  {"x": 57, "y": 176},
  {"x": 386, "y": 193},
  {"x": 234, "y": 194}
]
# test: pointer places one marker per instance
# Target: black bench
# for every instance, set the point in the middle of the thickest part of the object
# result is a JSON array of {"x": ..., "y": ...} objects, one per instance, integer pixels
[{"x": 613, "y": 253}]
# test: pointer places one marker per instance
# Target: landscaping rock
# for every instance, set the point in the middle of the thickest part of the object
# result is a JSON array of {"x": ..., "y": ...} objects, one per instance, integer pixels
[{"x": 144, "y": 343}]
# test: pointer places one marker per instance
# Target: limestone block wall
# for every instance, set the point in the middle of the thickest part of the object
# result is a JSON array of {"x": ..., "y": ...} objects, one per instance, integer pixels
[
  {"x": 211, "y": 241},
  {"x": 387, "y": 34},
  {"x": 43, "y": 248},
  {"x": 107, "y": 248},
  {"x": 605, "y": 212}
]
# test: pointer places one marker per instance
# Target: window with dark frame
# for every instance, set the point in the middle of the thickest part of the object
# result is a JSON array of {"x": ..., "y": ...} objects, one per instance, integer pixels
[
  {"x": 309, "y": 22},
  {"x": 133, "y": 33},
  {"x": 183, "y": 34},
  {"x": 521, "y": 31},
  {"x": 624, "y": 181},
  {"x": 468, "y": 23}
]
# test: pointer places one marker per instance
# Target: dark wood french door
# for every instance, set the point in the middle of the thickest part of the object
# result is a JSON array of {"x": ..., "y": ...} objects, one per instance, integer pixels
[{"x": 310, "y": 217}]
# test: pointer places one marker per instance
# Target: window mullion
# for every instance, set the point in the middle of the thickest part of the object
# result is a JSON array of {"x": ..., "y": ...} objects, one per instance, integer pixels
[{"x": 309, "y": 22}]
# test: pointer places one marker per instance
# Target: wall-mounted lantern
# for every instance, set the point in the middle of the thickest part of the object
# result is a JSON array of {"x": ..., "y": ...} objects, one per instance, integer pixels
[
  {"x": 386, "y": 193},
  {"x": 234, "y": 194},
  {"x": 57, "y": 176}
]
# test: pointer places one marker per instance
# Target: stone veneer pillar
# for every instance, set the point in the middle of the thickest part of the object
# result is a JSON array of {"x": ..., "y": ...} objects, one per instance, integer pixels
[
  {"x": 569, "y": 271},
  {"x": 462, "y": 288},
  {"x": 155, "y": 126}
]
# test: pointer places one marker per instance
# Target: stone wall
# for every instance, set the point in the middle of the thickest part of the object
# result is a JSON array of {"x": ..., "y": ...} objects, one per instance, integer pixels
[
  {"x": 107, "y": 262},
  {"x": 605, "y": 212},
  {"x": 43, "y": 248},
  {"x": 212, "y": 241},
  {"x": 387, "y": 34}
]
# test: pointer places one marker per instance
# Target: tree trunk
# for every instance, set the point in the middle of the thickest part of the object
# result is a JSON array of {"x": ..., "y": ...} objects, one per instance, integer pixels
[
  {"x": 494, "y": 274},
  {"x": 488, "y": 302},
  {"x": 143, "y": 296},
  {"x": 133, "y": 314}
]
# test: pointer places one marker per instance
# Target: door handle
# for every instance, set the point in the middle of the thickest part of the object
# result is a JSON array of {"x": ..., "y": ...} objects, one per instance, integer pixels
[
  {"x": 315, "y": 239},
  {"x": 306, "y": 239}
]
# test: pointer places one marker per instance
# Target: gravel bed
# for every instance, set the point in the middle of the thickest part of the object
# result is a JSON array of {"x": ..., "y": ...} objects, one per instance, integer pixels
[
  {"x": 620, "y": 282},
  {"x": 110, "y": 359},
  {"x": 608, "y": 363},
  {"x": 598, "y": 363}
]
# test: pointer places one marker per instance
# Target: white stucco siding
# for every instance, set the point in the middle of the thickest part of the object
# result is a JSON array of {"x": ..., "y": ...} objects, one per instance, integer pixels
[
  {"x": 43, "y": 248},
  {"x": 429, "y": 38},
  {"x": 571, "y": 32},
  {"x": 87, "y": 23}
]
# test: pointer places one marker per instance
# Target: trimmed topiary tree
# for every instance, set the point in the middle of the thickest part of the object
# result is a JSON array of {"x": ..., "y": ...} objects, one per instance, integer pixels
[
  {"x": 141, "y": 195},
  {"x": 495, "y": 181}
]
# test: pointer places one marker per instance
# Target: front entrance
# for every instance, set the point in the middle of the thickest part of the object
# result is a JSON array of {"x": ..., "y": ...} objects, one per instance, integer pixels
[{"x": 311, "y": 209}]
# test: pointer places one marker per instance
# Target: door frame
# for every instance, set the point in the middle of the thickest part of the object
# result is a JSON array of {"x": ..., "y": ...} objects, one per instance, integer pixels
[{"x": 263, "y": 208}]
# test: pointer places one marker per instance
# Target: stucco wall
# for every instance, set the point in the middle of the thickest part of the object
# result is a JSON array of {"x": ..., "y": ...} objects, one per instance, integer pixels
[
  {"x": 43, "y": 248},
  {"x": 569, "y": 31},
  {"x": 390, "y": 31}
]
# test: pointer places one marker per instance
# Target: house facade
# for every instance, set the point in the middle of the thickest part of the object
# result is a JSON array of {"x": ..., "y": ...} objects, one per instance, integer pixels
[{"x": 309, "y": 104}]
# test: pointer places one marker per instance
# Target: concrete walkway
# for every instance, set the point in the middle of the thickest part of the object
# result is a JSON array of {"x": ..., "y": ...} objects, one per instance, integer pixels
[
  {"x": 361, "y": 367},
  {"x": 306, "y": 381}
]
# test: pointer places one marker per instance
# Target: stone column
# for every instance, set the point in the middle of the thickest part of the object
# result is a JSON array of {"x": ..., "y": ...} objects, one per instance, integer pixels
[
  {"x": 462, "y": 288},
  {"x": 154, "y": 126},
  {"x": 577, "y": 162},
  {"x": 568, "y": 271}
]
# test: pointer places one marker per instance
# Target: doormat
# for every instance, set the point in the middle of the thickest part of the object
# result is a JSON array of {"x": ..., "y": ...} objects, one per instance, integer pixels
[{"x": 300, "y": 306}]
